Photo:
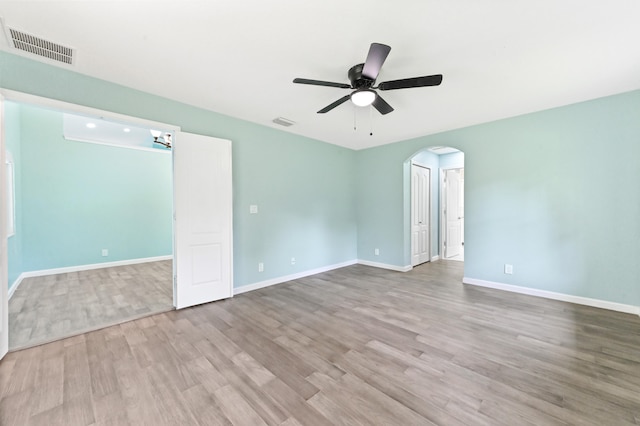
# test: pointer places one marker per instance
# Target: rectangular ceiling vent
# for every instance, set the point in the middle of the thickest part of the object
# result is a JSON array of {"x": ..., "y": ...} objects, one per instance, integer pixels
[
  {"x": 41, "y": 47},
  {"x": 283, "y": 121}
]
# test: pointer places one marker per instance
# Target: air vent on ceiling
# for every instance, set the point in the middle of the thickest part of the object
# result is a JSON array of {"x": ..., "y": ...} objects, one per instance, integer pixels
[
  {"x": 41, "y": 47},
  {"x": 283, "y": 121}
]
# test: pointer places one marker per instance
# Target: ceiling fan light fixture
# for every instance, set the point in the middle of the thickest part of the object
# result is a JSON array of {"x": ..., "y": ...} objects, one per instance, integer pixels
[{"x": 363, "y": 98}]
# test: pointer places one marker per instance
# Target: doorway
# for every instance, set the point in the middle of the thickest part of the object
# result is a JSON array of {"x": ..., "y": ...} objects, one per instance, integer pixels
[
  {"x": 93, "y": 241},
  {"x": 212, "y": 174},
  {"x": 425, "y": 222}
]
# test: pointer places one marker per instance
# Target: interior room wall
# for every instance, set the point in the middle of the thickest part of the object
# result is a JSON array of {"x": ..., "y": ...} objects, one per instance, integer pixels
[
  {"x": 304, "y": 188},
  {"x": 545, "y": 192},
  {"x": 79, "y": 198},
  {"x": 452, "y": 160}
]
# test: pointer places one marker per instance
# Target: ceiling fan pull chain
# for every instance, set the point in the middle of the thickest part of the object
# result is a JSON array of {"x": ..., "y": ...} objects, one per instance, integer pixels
[
  {"x": 370, "y": 120},
  {"x": 355, "y": 127}
]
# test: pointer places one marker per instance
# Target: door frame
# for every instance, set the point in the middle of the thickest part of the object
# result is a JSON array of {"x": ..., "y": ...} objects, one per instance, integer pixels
[
  {"x": 429, "y": 203},
  {"x": 442, "y": 218},
  {"x": 25, "y": 98},
  {"x": 4, "y": 258}
]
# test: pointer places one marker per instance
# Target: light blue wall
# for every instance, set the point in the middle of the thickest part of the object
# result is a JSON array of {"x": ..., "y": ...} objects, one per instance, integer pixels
[
  {"x": 304, "y": 188},
  {"x": 79, "y": 198},
  {"x": 545, "y": 192},
  {"x": 12, "y": 144},
  {"x": 452, "y": 161}
]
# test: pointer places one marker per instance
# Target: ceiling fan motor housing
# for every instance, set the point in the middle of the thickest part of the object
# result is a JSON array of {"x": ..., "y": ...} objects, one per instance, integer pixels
[{"x": 356, "y": 78}]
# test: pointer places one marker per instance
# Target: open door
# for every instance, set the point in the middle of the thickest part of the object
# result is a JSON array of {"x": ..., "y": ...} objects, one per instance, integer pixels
[
  {"x": 453, "y": 213},
  {"x": 203, "y": 265},
  {"x": 4, "y": 279}
]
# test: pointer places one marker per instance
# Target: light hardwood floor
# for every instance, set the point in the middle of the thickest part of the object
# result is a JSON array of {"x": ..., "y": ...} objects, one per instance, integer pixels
[
  {"x": 50, "y": 307},
  {"x": 354, "y": 346}
]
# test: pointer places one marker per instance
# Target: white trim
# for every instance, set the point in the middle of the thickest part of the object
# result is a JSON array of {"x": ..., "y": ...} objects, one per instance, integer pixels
[
  {"x": 436, "y": 257},
  {"x": 15, "y": 285},
  {"x": 21, "y": 97},
  {"x": 406, "y": 268},
  {"x": 280, "y": 280},
  {"x": 115, "y": 145},
  {"x": 79, "y": 268},
  {"x": 596, "y": 303}
]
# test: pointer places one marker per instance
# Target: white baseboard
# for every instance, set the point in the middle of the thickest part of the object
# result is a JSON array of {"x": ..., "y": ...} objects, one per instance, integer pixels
[
  {"x": 284, "y": 279},
  {"x": 596, "y": 303},
  {"x": 14, "y": 286},
  {"x": 386, "y": 266},
  {"x": 79, "y": 268},
  {"x": 436, "y": 257}
]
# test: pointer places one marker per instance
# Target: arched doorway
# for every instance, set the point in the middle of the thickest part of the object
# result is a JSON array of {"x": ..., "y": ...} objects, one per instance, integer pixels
[{"x": 434, "y": 205}]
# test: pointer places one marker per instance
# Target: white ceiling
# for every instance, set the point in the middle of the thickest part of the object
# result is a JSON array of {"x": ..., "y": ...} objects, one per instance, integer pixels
[{"x": 499, "y": 58}]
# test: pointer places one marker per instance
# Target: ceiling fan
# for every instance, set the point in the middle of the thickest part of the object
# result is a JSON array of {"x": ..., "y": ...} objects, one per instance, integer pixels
[{"x": 363, "y": 78}]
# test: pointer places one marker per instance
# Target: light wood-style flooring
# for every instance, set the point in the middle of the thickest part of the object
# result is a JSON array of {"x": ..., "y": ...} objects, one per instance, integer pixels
[
  {"x": 47, "y": 308},
  {"x": 354, "y": 346}
]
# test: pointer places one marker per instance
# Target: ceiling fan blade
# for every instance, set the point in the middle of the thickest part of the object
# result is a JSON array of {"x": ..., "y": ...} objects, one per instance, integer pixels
[
  {"x": 321, "y": 83},
  {"x": 335, "y": 104},
  {"x": 406, "y": 83},
  {"x": 381, "y": 105},
  {"x": 377, "y": 55}
]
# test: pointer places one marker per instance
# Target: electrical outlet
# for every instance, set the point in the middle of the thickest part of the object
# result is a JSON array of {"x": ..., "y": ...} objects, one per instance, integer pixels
[
  {"x": 508, "y": 269},
  {"x": 105, "y": 252},
  {"x": 376, "y": 252},
  {"x": 260, "y": 267},
  {"x": 293, "y": 260},
  {"x": 253, "y": 209}
]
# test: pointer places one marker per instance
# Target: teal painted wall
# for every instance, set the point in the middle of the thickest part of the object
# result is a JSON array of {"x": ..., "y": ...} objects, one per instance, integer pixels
[
  {"x": 12, "y": 144},
  {"x": 305, "y": 189},
  {"x": 545, "y": 192},
  {"x": 452, "y": 161},
  {"x": 79, "y": 198}
]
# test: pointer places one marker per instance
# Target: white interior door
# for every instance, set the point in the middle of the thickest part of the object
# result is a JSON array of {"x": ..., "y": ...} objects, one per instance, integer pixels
[
  {"x": 4, "y": 285},
  {"x": 203, "y": 219},
  {"x": 420, "y": 214},
  {"x": 453, "y": 215}
]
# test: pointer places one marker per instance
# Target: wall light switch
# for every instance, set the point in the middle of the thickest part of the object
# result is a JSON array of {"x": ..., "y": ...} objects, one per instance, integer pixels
[{"x": 253, "y": 209}]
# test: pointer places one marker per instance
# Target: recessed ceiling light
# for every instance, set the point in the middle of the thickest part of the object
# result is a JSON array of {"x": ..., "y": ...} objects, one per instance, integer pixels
[
  {"x": 126, "y": 130},
  {"x": 91, "y": 125}
]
